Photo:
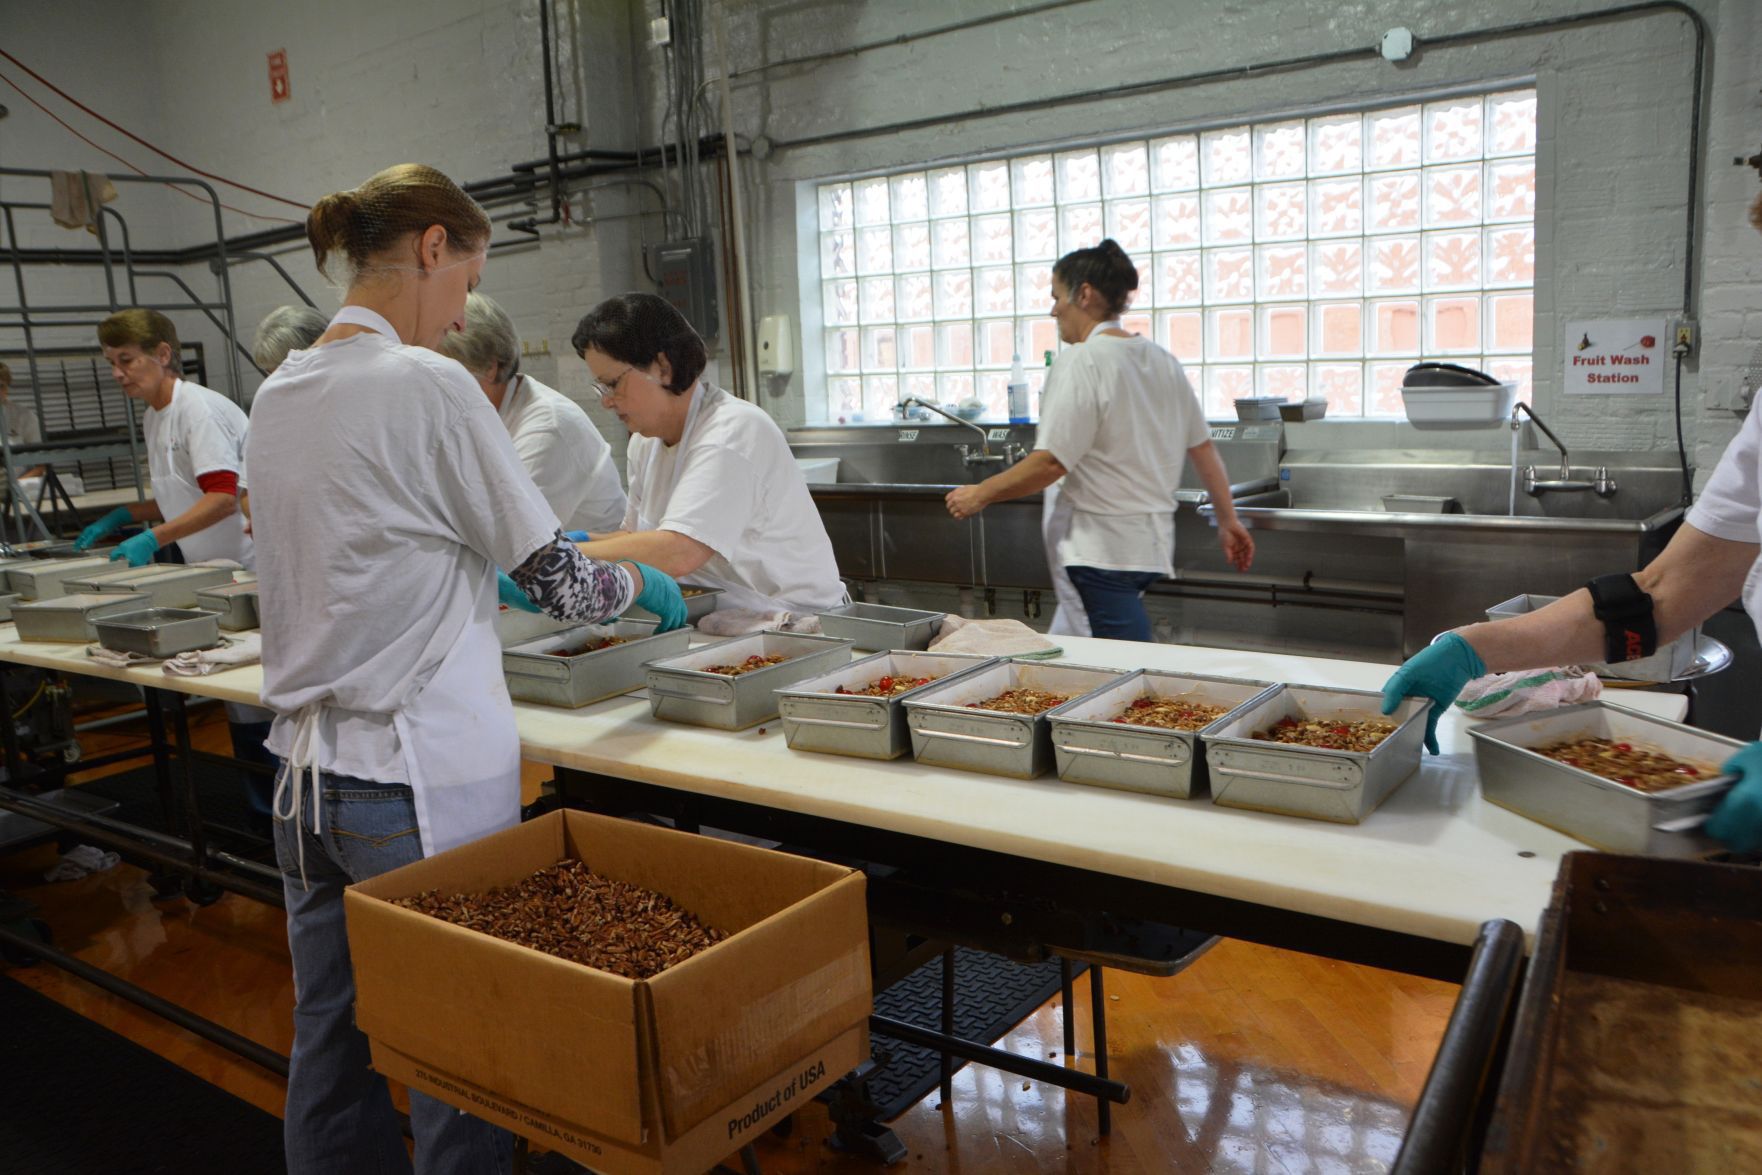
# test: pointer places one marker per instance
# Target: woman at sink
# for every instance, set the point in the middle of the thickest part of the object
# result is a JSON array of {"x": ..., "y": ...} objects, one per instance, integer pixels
[
  {"x": 1116, "y": 419},
  {"x": 715, "y": 494}
]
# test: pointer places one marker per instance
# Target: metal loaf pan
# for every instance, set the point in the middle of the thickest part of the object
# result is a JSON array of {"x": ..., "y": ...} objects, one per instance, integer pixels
[
  {"x": 1600, "y": 811},
  {"x": 7, "y": 600},
  {"x": 681, "y": 690},
  {"x": 536, "y": 674},
  {"x": 948, "y": 734},
  {"x": 876, "y": 626},
  {"x": 1090, "y": 747},
  {"x": 70, "y": 618},
  {"x": 1668, "y": 663},
  {"x": 159, "y": 632},
  {"x": 234, "y": 603},
  {"x": 43, "y": 579},
  {"x": 699, "y": 603},
  {"x": 1342, "y": 786},
  {"x": 818, "y": 718},
  {"x": 169, "y": 585}
]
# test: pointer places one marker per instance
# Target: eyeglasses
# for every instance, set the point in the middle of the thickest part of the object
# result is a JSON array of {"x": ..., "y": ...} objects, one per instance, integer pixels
[{"x": 609, "y": 391}]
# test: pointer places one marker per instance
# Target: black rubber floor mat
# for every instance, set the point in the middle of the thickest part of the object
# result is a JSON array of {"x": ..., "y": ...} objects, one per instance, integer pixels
[
  {"x": 220, "y": 796},
  {"x": 992, "y": 996},
  {"x": 77, "y": 1099}
]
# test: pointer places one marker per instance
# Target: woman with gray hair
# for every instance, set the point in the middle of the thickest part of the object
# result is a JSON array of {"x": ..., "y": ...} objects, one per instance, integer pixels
[
  {"x": 560, "y": 447},
  {"x": 284, "y": 329}
]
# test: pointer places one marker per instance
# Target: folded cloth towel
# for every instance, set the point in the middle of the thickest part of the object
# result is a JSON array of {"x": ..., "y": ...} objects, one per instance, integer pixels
[
  {"x": 992, "y": 638},
  {"x": 1506, "y": 695},
  {"x": 230, "y": 653},
  {"x": 740, "y": 621},
  {"x": 116, "y": 659},
  {"x": 76, "y": 196},
  {"x": 78, "y": 861}
]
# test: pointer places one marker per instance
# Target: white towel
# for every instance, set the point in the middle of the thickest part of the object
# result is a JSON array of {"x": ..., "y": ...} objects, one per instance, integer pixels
[
  {"x": 77, "y": 862},
  {"x": 740, "y": 621},
  {"x": 230, "y": 653},
  {"x": 1506, "y": 695},
  {"x": 991, "y": 638},
  {"x": 115, "y": 658}
]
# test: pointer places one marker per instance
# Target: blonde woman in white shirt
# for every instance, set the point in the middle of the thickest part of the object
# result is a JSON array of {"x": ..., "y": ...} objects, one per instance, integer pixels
[
  {"x": 569, "y": 460},
  {"x": 1117, "y": 419}
]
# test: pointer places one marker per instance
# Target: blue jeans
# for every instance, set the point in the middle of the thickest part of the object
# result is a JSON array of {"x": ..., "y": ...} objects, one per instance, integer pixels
[
  {"x": 1114, "y": 601},
  {"x": 340, "y": 1119}
]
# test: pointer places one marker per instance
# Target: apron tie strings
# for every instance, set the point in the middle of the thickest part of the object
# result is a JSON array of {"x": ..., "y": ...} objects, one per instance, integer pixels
[{"x": 299, "y": 775}]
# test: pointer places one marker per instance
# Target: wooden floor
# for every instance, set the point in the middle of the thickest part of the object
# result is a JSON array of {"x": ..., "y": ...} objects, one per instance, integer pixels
[{"x": 1252, "y": 1060}]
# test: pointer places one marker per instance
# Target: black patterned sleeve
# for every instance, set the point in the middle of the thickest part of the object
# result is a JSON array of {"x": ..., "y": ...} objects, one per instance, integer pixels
[{"x": 566, "y": 584}]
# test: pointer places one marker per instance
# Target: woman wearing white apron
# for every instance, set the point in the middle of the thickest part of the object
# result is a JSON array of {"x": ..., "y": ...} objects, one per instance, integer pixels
[
  {"x": 569, "y": 460},
  {"x": 715, "y": 493},
  {"x": 1117, "y": 419},
  {"x": 386, "y": 492}
]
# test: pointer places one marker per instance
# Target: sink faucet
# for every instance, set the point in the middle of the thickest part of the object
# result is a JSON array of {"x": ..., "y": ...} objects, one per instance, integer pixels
[
  {"x": 1012, "y": 452},
  {"x": 1603, "y": 486}
]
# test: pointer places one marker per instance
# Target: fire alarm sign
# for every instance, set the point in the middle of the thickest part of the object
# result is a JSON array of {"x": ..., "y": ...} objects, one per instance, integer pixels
[{"x": 278, "y": 76}]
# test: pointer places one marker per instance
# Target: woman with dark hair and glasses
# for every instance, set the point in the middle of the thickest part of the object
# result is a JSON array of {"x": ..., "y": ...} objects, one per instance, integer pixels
[
  {"x": 715, "y": 494},
  {"x": 1117, "y": 419}
]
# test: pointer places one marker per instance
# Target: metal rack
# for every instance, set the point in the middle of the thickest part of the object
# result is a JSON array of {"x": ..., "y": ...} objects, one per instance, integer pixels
[{"x": 118, "y": 262}]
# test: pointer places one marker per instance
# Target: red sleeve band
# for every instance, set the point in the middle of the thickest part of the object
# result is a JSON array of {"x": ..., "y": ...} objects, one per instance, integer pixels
[{"x": 223, "y": 482}]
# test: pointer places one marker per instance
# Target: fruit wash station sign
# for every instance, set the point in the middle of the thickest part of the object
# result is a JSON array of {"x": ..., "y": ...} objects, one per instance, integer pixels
[{"x": 1616, "y": 356}]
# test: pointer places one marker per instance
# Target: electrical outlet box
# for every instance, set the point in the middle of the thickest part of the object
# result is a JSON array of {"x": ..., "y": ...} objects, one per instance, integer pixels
[
  {"x": 1685, "y": 335},
  {"x": 687, "y": 277}
]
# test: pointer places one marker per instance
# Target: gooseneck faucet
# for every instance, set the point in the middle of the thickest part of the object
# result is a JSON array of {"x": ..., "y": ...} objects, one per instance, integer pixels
[
  {"x": 1012, "y": 451},
  {"x": 1603, "y": 485}
]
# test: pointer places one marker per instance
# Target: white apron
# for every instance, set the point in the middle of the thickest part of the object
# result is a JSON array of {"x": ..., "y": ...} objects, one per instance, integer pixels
[
  {"x": 1070, "y": 618},
  {"x": 456, "y": 732}
]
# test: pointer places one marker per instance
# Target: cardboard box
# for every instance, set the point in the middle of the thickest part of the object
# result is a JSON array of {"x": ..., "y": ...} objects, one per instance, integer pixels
[{"x": 667, "y": 1074}]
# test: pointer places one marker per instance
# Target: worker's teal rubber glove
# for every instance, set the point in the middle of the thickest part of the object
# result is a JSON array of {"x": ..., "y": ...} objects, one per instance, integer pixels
[
  {"x": 578, "y": 536},
  {"x": 509, "y": 593},
  {"x": 660, "y": 595},
  {"x": 104, "y": 527},
  {"x": 1737, "y": 822},
  {"x": 138, "y": 549},
  {"x": 1438, "y": 671}
]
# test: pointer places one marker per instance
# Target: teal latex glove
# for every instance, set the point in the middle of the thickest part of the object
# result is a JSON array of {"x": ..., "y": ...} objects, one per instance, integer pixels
[
  {"x": 578, "y": 536},
  {"x": 1737, "y": 822},
  {"x": 104, "y": 527},
  {"x": 138, "y": 549},
  {"x": 1438, "y": 671},
  {"x": 660, "y": 595},
  {"x": 509, "y": 593}
]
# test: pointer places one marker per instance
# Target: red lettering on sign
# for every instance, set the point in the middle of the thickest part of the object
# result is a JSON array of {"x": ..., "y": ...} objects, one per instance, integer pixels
[{"x": 278, "y": 76}]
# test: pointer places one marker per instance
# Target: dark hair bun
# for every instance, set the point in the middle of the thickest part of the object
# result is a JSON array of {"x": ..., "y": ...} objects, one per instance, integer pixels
[{"x": 1106, "y": 267}]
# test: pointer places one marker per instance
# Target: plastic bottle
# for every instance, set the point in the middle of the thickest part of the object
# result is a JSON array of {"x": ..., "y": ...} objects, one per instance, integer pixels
[{"x": 1018, "y": 391}]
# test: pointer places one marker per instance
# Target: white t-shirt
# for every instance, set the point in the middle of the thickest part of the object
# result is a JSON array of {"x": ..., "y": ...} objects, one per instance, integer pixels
[
  {"x": 384, "y": 493},
  {"x": 1730, "y": 507},
  {"x": 22, "y": 426},
  {"x": 732, "y": 484},
  {"x": 199, "y": 432},
  {"x": 565, "y": 454},
  {"x": 1119, "y": 415}
]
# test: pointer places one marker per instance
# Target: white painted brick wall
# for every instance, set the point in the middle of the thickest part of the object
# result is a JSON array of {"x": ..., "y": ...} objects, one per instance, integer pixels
[{"x": 455, "y": 82}]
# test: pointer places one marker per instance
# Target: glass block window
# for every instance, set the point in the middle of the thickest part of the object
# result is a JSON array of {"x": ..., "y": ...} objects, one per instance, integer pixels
[{"x": 1305, "y": 257}]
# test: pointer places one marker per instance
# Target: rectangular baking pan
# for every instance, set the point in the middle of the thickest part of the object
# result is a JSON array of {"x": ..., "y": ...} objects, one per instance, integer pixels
[
  {"x": 7, "y": 600},
  {"x": 1090, "y": 747},
  {"x": 169, "y": 585},
  {"x": 879, "y": 627},
  {"x": 234, "y": 603},
  {"x": 536, "y": 673},
  {"x": 1600, "y": 811},
  {"x": 43, "y": 578},
  {"x": 947, "y": 733},
  {"x": 70, "y": 618},
  {"x": 1341, "y": 786},
  {"x": 700, "y": 601},
  {"x": 681, "y": 689},
  {"x": 159, "y": 632},
  {"x": 816, "y": 717}
]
